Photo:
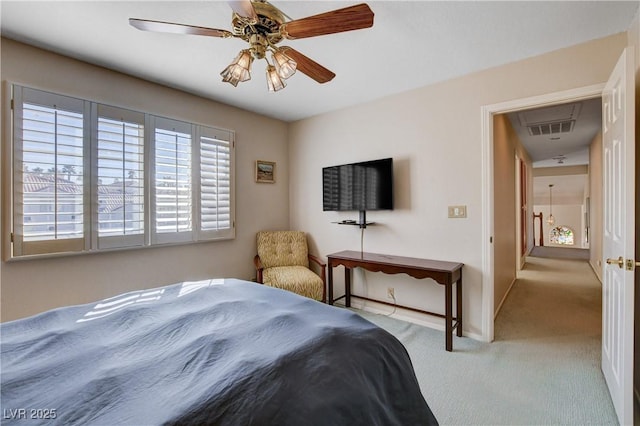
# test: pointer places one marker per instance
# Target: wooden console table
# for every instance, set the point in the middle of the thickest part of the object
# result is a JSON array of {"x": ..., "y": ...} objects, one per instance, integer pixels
[{"x": 444, "y": 273}]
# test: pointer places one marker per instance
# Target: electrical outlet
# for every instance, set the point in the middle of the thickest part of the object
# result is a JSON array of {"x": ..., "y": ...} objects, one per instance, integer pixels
[{"x": 391, "y": 293}]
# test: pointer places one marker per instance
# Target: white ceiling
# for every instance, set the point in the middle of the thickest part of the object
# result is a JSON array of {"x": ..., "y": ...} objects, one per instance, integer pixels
[{"x": 412, "y": 44}]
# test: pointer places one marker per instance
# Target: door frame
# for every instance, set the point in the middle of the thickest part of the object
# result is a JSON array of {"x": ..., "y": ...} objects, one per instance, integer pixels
[{"x": 487, "y": 113}]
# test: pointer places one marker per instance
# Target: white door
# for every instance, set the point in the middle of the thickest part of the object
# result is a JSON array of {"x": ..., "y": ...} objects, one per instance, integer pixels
[{"x": 619, "y": 235}]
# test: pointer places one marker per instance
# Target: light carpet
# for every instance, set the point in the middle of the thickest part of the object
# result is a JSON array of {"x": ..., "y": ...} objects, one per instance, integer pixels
[{"x": 543, "y": 367}]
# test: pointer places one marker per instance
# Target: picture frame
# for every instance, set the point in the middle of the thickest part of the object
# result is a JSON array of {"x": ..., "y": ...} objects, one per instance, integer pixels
[{"x": 265, "y": 171}]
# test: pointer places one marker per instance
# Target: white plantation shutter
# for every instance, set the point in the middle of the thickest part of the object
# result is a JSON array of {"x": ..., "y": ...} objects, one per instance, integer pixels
[
  {"x": 172, "y": 193},
  {"x": 49, "y": 180},
  {"x": 120, "y": 177},
  {"x": 90, "y": 177},
  {"x": 216, "y": 183}
]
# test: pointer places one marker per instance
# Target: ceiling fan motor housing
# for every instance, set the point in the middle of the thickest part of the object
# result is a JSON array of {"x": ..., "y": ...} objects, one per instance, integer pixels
[
  {"x": 258, "y": 45},
  {"x": 266, "y": 28}
]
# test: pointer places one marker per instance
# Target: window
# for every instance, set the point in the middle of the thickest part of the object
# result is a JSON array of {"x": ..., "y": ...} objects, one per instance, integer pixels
[
  {"x": 49, "y": 161},
  {"x": 120, "y": 177},
  {"x": 173, "y": 194},
  {"x": 215, "y": 182},
  {"x": 89, "y": 177},
  {"x": 562, "y": 235}
]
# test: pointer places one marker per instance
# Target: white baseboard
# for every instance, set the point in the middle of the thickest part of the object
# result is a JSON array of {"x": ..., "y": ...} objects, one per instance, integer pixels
[
  {"x": 407, "y": 315},
  {"x": 504, "y": 298},
  {"x": 595, "y": 271}
]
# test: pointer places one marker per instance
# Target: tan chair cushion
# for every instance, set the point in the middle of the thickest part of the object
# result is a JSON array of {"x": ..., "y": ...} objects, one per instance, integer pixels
[
  {"x": 297, "y": 279},
  {"x": 283, "y": 248}
]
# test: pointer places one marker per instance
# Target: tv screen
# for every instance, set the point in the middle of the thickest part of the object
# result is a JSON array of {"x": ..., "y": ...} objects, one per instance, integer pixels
[{"x": 358, "y": 186}]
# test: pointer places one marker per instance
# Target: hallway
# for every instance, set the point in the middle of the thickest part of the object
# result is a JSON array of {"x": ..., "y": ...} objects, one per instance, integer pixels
[{"x": 553, "y": 297}]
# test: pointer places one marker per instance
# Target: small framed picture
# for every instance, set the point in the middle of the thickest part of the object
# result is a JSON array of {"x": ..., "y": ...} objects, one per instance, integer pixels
[{"x": 265, "y": 171}]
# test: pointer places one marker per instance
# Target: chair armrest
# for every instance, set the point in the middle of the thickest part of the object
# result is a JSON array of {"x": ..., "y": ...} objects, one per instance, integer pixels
[
  {"x": 259, "y": 268},
  {"x": 323, "y": 275},
  {"x": 317, "y": 260}
]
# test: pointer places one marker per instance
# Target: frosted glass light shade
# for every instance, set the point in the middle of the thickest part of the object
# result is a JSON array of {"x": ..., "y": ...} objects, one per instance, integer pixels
[
  {"x": 285, "y": 66},
  {"x": 238, "y": 70},
  {"x": 274, "y": 82}
]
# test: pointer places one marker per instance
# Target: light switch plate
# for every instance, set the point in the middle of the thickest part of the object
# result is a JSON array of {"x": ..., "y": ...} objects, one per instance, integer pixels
[{"x": 457, "y": 212}]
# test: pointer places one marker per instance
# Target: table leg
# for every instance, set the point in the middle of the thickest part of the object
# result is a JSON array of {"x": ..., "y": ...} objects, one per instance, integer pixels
[
  {"x": 448, "y": 317},
  {"x": 459, "y": 305},
  {"x": 330, "y": 283},
  {"x": 347, "y": 287}
]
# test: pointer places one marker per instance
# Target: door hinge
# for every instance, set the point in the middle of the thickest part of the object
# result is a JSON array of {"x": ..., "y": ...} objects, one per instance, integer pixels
[
  {"x": 12, "y": 104},
  {"x": 12, "y": 237}
]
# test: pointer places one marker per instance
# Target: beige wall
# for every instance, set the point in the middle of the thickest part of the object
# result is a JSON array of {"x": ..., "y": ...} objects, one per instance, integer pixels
[
  {"x": 434, "y": 135},
  {"x": 504, "y": 186},
  {"x": 33, "y": 286},
  {"x": 506, "y": 146}
]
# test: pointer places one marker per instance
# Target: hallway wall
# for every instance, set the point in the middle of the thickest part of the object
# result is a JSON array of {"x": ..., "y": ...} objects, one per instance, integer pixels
[{"x": 506, "y": 145}]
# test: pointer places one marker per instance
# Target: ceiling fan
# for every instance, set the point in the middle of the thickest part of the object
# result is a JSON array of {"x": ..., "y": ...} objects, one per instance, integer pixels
[{"x": 263, "y": 26}]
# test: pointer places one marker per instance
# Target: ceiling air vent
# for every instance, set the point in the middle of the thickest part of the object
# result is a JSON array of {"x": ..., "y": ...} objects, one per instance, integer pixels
[
  {"x": 550, "y": 120},
  {"x": 551, "y": 128}
]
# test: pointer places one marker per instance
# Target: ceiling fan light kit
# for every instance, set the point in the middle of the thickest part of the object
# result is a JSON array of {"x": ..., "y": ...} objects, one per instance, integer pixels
[
  {"x": 262, "y": 25},
  {"x": 239, "y": 70},
  {"x": 285, "y": 66},
  {"x": 274, "y": 81}
]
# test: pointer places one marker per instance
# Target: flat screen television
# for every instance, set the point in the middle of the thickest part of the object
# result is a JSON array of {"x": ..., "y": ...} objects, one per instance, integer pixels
[{"x": 363, "y": 186}]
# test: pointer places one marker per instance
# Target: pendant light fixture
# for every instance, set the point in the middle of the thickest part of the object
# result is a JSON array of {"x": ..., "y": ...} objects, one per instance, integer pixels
[{"x": 551, "y": 220}]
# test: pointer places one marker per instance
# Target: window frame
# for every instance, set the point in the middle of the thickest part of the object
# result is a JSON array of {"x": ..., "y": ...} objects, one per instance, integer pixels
[{"x": 91, "y": 242}]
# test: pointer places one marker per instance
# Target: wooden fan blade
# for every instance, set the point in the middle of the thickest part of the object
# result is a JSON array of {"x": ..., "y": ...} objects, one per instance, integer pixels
[
  {"x": 308, "y": 66},
  {"x": 337, "y": 21},
  {"x": 244, "y": 8},
  {"x": 170, "y": 27}
]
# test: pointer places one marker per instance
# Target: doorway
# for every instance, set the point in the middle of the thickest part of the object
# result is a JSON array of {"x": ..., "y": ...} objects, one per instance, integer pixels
[{"x": 491, "y": 235}]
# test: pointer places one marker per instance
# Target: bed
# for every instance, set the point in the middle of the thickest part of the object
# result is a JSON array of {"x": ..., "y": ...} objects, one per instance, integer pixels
[{"x": 221, "y": 351}]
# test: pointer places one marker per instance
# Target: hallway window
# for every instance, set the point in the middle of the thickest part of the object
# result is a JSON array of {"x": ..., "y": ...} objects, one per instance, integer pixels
[{"x": 562, "y": 235}]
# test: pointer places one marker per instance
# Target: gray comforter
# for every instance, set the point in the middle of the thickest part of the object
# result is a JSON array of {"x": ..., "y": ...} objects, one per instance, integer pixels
[{"x": 226, "y": 352}]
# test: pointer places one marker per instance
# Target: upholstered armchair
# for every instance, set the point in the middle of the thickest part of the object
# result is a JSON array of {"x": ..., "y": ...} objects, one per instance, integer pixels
[{"x": 283, "y": 261}]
